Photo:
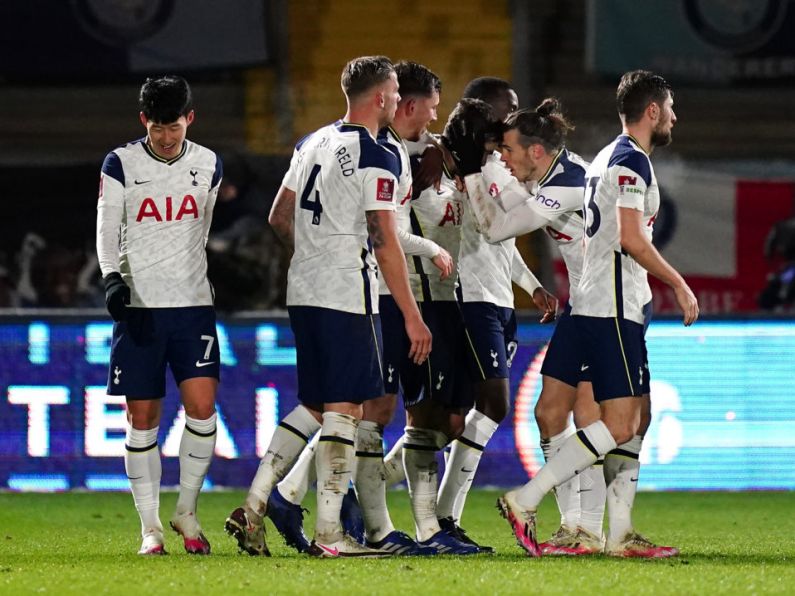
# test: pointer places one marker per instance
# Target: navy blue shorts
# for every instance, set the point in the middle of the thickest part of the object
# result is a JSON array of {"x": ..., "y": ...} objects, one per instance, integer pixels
[
  {"x": 396, "y": 343},
  {"x": 443, "y": 376},
  {"x": 564, "y": 359},
  {"x": 338, "y": 355},
  {"x": 142, "y": 345},
  {"x": 615, "y": 349},
  {"x": 491, "y": 339}
]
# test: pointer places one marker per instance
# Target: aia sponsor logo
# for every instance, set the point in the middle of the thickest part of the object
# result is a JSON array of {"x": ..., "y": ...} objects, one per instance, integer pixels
[
  {"x": 494, "y": 190},
  {"x": 385, "y": 189},
  {"x": 165, "y": 210},
  {"x": 452, "y": 214}
]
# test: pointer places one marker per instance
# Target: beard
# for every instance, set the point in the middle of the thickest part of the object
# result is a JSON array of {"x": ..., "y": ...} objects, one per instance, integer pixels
[{"x": 660, "y": 138}]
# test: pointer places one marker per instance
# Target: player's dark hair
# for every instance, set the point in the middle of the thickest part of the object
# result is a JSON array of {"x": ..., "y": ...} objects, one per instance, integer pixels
[
  {"x": 415, "y": 79},
  {"x": 636, "y": 90},
  {"x": 486, "y": 89},
  {"x": 363, "y": 73},
  {"x": 545, "y": 125},
  {"x": 165, "y": 99}
]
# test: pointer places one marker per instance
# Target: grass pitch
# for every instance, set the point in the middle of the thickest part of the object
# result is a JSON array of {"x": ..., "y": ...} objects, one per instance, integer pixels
[{"x": 82, "y": 543}]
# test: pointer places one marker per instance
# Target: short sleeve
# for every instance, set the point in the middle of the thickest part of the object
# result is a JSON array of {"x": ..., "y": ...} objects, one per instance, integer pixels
[
  {"x": 379, "y": 189},
  {"x": 290, "y": 179},
  {"x": 631, "y": 174}
]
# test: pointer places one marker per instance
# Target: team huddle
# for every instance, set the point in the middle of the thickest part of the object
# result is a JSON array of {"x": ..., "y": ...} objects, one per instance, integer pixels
[{"x": 400, "y": 284}]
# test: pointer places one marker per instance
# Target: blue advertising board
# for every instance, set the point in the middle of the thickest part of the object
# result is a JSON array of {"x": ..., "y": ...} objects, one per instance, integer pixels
[{"x": 723, "y": 405}]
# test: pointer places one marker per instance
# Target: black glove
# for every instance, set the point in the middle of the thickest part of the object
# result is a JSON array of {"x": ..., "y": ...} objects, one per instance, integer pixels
[
  {"x": 470, "y": 126},
  {"x": 117, "y": 296}
]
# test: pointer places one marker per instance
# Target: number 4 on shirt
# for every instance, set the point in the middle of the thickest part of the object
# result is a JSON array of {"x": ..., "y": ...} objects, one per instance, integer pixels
[{"x": 314, "y": 206}]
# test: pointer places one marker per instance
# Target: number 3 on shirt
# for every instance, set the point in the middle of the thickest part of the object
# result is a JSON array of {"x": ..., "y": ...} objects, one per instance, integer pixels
[
  {"x": 314, "y": 206},
  {"x": 593, "y": 219}
]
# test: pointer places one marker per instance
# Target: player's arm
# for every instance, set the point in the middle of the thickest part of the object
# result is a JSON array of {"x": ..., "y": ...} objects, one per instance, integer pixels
[
  {"x": 635, "y": 242},
  {"x": 414, "y": 245},
  {"x": 382, "y": 229},
  {"x": 110, "y": 212},
  {"x": 511, "y": 212},
  {"x": 212, "y": 195},
  {"x": 524, "y": 278},
  {"x": 282, "y": 216}
]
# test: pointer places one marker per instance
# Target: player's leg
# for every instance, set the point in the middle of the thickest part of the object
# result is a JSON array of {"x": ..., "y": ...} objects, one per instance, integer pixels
[
  {"x": 369, "y": 470},
  {"x": 436, "y": 397},
  {"x": 137, "y": 370},
  {"x": 552, "y": 417},
  {"x": 622, "y": 467},
  {"x": 369, "y": 474},
  {"x": 593, "y": 490},
  {"x": 291, "y": 436},
  {"x": 284, "y": 503},
  {"x": 423, "y": 440},
  {"x": 193, "y": 355},
  {"x": 349, "y": 374},
  {"x": 612, "y": 351},
  {"x": 490, "y": 336},
  {"x": 394, "y": 472},
  {"x": 196, "y": 450},
  {"x": 144, "y": 470}
]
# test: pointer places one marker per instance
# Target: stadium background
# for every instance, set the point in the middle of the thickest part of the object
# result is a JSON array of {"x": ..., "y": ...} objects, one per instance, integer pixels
[{"x": 266, "y": 72}]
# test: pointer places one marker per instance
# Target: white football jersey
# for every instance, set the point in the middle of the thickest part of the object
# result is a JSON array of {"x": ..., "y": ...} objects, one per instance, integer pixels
[
  {"x": 553, "y": 203},
  {"x": 153, "y": 217},
  {"x": 338, "y": 174},
  {"x": 484, "y": 269},
  {"x": 613, "y": 284},
  {"x": 393, "y": 141},
  {"x": 438, "y": 216}
]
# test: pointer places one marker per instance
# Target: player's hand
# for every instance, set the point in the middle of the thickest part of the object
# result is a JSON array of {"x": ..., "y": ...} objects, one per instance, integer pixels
[
  {"x": 117, "y": 295},
  {"x": 547, "y": 304},
  {"x": 470, "y": 126},
  {"x": 429, "y": 172},
  {"x": 688, "y": 303},
  {"x": 444, "y": 263},
  {"x": 420, "y": 338}
]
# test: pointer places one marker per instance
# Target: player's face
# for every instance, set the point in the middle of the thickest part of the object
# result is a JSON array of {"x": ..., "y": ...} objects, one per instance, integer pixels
[
  {"x": 166, "y": 139},
  {"x": 505, "y": 105},
  {"x": 390, "y": 98},
  {"x": 516, "y": 157},
  {"x": 661, "y": 134},
  {"x": 424, "y": 113}
]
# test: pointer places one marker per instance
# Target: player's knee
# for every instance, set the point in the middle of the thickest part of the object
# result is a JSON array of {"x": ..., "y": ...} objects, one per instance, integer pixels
[
  {"x": 379, "y": 411},
  {"x": 455, "y": 426},
  {"x": 621, "y": 432},
  {"x": 201, "y": 411},
  {"x": 551, "y": 419}
]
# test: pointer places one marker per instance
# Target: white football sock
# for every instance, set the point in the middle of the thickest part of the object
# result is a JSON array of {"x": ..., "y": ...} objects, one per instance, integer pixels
[
  {"x": 369, "y": 480},
  {"x": 196, "y": 450},
  {"x": 295, "y": 485},
  {"x": 621, "y": 476},
  {"x": 593, "y": 493},
  {"x": 394, "y": 471},
  {"x": 289, "y": 439},
  {"x": 566, "y": 492},
  {"x": 579, "y": 451},
  {"x": 462, "y": 464},
  {"x": 335, "y": 458},
  {"x": 142, "y": 464},
  {"x": 422, "y": 475}
]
